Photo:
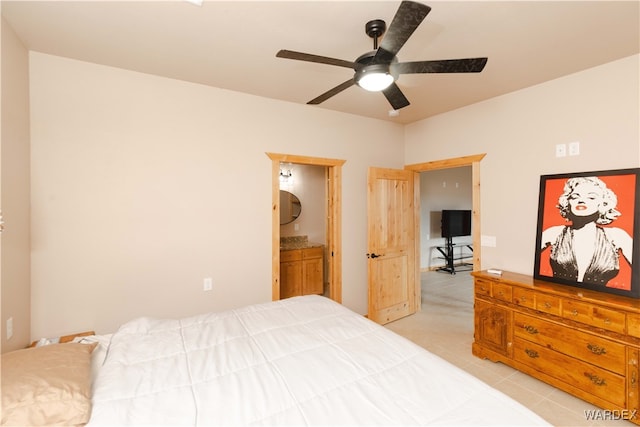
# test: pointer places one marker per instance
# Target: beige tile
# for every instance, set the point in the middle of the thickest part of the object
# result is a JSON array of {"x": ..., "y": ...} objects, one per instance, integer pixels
[
  {"x": 558, "y": 415},
  {"x": 570, "y": 402},
  {"x": 533, "y": 384},
  {"x": 519, "y": 392},
  {"x": 597, "y": 416},
  {"x": 489, "y": 372}
]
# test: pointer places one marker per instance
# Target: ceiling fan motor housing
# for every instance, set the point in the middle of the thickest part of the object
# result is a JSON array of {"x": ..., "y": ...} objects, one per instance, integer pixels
[{"x": 375, "y": 29}]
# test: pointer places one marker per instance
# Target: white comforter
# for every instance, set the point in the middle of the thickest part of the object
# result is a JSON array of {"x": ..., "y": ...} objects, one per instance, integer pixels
[{"x": 304, "y": 360}]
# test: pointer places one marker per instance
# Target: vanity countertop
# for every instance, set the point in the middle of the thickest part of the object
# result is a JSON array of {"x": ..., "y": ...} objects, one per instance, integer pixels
[
  {"x": 297, "y": 242},
  {"x": 291, "y": 246}
]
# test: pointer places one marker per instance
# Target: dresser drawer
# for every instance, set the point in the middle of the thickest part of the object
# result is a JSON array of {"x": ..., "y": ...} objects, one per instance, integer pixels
[
  {"x": 589, "y": 348},
  {"x": 291, "y": 255},
  {"x": 594, "y": 315},
  {"x": 596, "y": 381},
  {"x": 633, "y": 325},
  {"x": 315, "y": 252},
  {"x": 548, "y": 304},
  {"x": 501, "y": 292},
  {"x": 482, "y": 287},
  {"x": 523, "y": 297}
]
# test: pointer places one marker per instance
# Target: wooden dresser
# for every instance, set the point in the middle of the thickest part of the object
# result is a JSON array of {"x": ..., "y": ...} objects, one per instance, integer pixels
[
  {"x": 302, "y": 271},
  {"x": 583, "y": 342}
]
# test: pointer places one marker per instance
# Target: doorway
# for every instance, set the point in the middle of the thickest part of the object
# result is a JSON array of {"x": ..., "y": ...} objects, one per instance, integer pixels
[
  {"x": 445, "y": 220},
  {"x": 333, "y": 173},
  {"x": 474, "y": 162}
]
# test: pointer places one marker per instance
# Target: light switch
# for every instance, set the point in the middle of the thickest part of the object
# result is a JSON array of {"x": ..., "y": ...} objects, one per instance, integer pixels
[{"x": 574, "y": 148}]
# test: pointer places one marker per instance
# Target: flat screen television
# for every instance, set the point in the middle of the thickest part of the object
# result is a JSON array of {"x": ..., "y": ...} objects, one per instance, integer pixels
[{"x": 456, "y": 223}]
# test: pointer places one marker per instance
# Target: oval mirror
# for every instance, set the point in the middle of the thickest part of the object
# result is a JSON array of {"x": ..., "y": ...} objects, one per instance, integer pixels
[{"x": 290, "y": 207}]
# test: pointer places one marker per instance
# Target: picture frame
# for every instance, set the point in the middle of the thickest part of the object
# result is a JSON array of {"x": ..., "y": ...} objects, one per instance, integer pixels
[{"x": 588, "y": 231}]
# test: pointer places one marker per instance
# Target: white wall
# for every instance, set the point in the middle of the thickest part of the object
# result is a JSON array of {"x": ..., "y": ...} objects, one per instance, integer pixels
[
  {"x": 132, "y": 176},
  {"x": 129, "y": 172},
  {"x": 598, "y": 107},
  {"x": 14, "y": 190}
]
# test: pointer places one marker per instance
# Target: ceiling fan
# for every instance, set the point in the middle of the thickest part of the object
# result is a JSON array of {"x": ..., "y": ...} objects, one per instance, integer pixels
[{"x": 379, "y": 69}]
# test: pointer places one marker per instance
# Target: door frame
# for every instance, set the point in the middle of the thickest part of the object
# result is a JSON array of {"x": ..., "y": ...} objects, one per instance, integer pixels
[
  {"x": 474, "y": 162},
  {"x": 334, "y": 219}
]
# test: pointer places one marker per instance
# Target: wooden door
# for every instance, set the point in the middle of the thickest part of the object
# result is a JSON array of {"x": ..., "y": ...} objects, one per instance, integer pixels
[
  {"x": 290, "y": 273},
  {"x": 394, "y": 290},
  {"x": 492, "y": 327}
]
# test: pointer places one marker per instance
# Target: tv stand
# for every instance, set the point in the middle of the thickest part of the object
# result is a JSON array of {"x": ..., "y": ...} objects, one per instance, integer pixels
[{"x": 448, "y": 254}]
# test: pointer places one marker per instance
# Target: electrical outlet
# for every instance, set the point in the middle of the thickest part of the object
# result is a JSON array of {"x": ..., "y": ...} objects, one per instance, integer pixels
[
  {"x": 561, "y": 150},
  {"x": 9, "y": 327},
  {"x": 207, "y": 284}
]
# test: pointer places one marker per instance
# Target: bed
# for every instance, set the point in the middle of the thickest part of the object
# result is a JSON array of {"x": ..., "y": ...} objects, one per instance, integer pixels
[{"x": 300, "y": 361}]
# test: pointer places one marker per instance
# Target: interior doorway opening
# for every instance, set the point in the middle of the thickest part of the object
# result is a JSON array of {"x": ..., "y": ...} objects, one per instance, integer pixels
[
  {"x": 445, "y": 220},
  {"x": 333, "y": 209},
  {"x": 474, "y": 162}
]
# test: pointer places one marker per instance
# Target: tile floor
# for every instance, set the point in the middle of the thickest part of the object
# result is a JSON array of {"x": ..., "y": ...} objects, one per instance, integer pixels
[{"x": 444, "y": 326}]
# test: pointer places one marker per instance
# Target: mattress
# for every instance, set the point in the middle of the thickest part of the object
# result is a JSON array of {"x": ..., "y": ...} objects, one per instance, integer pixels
[{"x": 300, "y": 361}]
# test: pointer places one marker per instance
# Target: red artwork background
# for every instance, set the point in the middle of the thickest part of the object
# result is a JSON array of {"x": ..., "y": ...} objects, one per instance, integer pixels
[{"x": 624, "y": 187}]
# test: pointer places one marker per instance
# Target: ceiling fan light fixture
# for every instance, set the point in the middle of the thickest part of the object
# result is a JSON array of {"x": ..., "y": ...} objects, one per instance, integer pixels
[
  {"x": 378, "y": 69},
  {"x": 374, "y": 78}
]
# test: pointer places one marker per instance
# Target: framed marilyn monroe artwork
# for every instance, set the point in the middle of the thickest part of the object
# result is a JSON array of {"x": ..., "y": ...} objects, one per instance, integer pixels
[{"x": 588, "y": 229}]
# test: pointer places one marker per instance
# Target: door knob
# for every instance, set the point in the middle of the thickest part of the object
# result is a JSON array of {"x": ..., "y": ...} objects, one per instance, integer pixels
[{"x": 373, "y": 255}]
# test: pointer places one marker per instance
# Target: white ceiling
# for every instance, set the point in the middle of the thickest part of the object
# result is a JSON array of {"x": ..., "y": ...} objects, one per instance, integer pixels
[{"x": 232, "y": 44}]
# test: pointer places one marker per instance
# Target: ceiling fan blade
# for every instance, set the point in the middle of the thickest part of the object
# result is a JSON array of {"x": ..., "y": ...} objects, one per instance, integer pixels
[
  {"x": 468, "y": 65},
  {"x": 395, "y": 97},
  {"x": 407, "y": 19},
  {"x": 289, "y": 54},
  {"x": 331, "y": 92}
]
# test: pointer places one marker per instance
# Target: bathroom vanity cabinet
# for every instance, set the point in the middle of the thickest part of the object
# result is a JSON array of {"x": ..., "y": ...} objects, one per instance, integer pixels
[{"x": 302, "y": 271}]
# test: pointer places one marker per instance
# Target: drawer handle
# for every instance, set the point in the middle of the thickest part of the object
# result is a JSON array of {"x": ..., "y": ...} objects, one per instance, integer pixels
[
  {"x": 633, "y": 378},
  {"x": 595, "y": 349},
  {"x": 547, "y": 304},
  {"x": 531, "y": 353},
  {"x": 530, "y": 329},
  {"x": 483, "y": 289},
  {"x": 523, "y": 299},
  {"x": 574, "y": 312},
  {"x": 607, "y": 321},
  {"x": 595, "y": 379},
  {"x": 501, "y": 293}
]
